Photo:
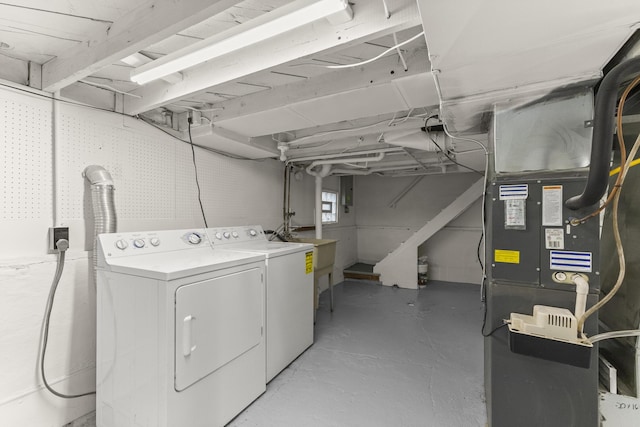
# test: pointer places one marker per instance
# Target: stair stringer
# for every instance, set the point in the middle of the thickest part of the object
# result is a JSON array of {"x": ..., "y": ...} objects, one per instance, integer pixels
[{"x": 400, "y": 267}]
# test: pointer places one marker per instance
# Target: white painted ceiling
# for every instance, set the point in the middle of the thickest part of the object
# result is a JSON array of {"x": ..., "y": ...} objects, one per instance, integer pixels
[{"x": 482, "y": 52}]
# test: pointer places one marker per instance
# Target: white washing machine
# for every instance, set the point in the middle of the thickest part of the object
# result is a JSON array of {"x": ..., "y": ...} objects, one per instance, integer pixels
[
  {"x": 180, "y": 330},
  {"x": 289, "y": 291}
]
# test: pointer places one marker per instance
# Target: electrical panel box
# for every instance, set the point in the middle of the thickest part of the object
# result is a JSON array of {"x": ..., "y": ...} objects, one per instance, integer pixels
[{"x": 346, "y": 190}]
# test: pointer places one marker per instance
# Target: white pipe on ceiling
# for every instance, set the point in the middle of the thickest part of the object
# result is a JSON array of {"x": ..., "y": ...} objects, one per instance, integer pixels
[
  {"x": 377, "y": 158},
  {"x": 338, "y": 155}
]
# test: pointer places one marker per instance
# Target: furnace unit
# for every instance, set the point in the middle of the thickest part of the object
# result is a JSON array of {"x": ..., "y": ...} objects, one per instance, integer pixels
[{"x": 543, "y": 271}]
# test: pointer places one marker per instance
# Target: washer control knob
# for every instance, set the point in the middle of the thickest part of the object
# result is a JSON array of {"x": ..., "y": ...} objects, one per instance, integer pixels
[
  {"x": 138, "y": 243},
  {"x": 253, "y": 233},
  {"x": 219, "y": 236},
  {"x": 194, "y": 238},
  {"x": 122, "y": 244},
  {"x": 235, "y": 234},
  {"x": 226, "y": 235},
  {"x": 154, "y": 241}
]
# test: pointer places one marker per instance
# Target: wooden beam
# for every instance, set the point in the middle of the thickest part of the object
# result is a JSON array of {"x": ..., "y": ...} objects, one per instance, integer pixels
[
  {"x": 149, "y": 24},
  {"x": 382, "y": 71},
  {"x": 35, "y": 75},
  {"x": 369, "y": 23}
]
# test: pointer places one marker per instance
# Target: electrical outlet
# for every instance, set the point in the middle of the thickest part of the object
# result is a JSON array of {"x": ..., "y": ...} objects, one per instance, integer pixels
[{"x": 55, "y": 234}]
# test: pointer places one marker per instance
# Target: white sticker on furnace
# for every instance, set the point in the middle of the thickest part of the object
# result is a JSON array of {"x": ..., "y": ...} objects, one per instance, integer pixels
[
  {"x": 554, "y": 238},
  {"x": 515, "y": 214},
  {"x": 552, "y": 205}
]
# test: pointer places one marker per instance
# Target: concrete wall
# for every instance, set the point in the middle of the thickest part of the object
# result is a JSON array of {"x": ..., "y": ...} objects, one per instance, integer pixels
[
  {"x": 155, "y": 189},
  {"x": 380, "y": 228}
]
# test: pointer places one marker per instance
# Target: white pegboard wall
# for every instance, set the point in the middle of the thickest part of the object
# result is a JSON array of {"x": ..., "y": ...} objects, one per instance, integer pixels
[
  {"x": 25, "y": 146},
  {"x": 153, "y": 173},
  {"x": 80, "y": 145},
  {"x": 154, "y": 176},
  {"x": 234, "y": 192},
  {"x": 147, "y": 180},
  {"x": 142, "y": 167}
]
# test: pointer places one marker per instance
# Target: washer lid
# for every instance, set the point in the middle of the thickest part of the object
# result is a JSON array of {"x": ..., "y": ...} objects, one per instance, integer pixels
[
  {"x": 271, "y": 249},
  {"x": 177, "y": 264}
]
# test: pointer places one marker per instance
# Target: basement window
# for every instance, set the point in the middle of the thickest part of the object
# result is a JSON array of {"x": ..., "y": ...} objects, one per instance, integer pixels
[{"x": 329, "y": 207}]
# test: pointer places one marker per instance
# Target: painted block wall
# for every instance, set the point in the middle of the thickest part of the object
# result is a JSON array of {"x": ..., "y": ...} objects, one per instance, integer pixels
[
  {"x": 381, "y": 229},
  {"x": 155, "y": 189}
]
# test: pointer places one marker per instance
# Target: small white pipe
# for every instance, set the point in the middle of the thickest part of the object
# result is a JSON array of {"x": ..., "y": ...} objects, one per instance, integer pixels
[
  {"x": 338, "y": 155},
  {"x": 387, "y": 14},
  {"x": 405, "y": 167},
  {"x": 325, "y": 171},
  {"x": 318, "y": 206},
  {"x": 377, "y": 158},
  {"x": 582, "y": 290},
  {"x": 351, "y": 172},
  {"x": 614, "y": 334}
]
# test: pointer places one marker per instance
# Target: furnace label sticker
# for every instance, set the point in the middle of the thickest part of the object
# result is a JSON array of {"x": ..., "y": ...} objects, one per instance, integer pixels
[
  {"x": 552, "y": 205},
  {"x": 508, "y": 257},
  {"x": 514, "y": 191},
  {"x": 308, "y": 262},
  {"x": 571, "y": 261},
  {"x": 554, "y": 238},
  {"x": 515, "y": 213}
]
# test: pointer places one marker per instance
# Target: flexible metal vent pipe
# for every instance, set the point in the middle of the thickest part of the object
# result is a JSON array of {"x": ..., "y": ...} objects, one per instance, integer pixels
[
  {"x": 102, "y": 201},
  {"x": 603, "y": 135}
]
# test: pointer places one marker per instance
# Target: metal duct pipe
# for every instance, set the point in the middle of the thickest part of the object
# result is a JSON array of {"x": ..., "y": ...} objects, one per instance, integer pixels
[
  {"x": 603, "y": 135},
  {"x": 411, "y": 138},
  {"x": 102, "y": 201}
]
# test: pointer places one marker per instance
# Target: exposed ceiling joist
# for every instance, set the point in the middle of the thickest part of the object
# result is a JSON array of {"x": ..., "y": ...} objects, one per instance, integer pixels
[
  {"x": 383, "y": 71},
  {"x": 142, "y": 27},
  {"x": 369, "y": 23}
]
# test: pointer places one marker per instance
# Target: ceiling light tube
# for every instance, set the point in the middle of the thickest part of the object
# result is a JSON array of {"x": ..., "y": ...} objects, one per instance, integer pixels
[{"x": 266, "y": 26}]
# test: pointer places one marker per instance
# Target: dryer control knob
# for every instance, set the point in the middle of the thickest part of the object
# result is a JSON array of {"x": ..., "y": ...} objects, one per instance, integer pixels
[
  {"x": 138, "y": 243},
  {"x": 226, "y": 235},
  {"x": 122, "y": 244},
  {"x": 253, "y": 233},
  {"x": 194, "y": 238},
  {"x": 235, "y": 234},
  {"x": 154, "y": 241},
  {"x": 219, "y": 236}
]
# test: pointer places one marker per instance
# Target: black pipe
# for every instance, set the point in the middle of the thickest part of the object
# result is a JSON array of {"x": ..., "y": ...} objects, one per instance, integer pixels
[{"x": 603, "y": 135}]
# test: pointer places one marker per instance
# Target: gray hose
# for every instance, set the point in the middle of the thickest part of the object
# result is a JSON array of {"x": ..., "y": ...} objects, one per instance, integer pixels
[
  {"x": 603, "y": 135},
  {"x": 102, "y": 201}
]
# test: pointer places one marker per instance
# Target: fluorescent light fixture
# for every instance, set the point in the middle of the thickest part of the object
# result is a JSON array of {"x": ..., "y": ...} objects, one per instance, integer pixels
[{"x": 266, "y": 26}]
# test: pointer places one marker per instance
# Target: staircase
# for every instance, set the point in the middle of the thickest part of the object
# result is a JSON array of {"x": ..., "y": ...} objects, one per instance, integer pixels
[
  {"x": 361, "y": 271},
  {"x": 400, "y": 267}
]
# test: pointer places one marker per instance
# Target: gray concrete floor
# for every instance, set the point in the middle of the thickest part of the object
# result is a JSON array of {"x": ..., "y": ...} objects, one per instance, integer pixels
[{"x": 385, "y": 357}]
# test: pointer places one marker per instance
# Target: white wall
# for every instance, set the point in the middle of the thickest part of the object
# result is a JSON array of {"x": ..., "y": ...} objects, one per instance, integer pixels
[
  {"x": 155, "y": 189},
  {"x": 345, "y": 231},
  {"x": 381, "y": 229}
]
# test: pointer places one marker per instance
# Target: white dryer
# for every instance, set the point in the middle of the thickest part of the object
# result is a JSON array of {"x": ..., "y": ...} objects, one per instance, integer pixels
[
  {"x": 180, "y": 330},
  {"x": 289, "y": 291}
]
